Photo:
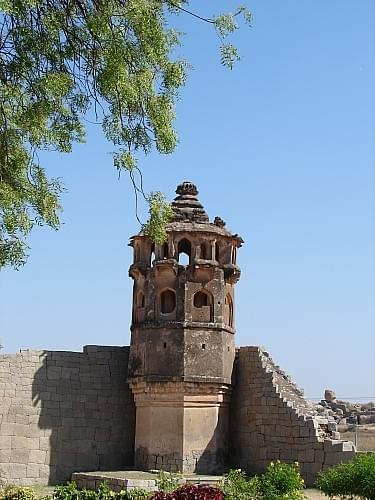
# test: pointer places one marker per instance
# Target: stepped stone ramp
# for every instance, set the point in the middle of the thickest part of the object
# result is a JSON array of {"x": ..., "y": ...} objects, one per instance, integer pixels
[{"x": 270, "y": 420}]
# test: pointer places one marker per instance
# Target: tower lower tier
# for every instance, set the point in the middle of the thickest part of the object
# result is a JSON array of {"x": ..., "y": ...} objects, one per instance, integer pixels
[{"x": 181, "y": 426}]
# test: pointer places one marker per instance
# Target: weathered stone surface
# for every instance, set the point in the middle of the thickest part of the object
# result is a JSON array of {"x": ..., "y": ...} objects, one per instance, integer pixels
[
  {"x": 329, "y": 395},
  {"x": 265, "y": 394},
  {"x": 182, "y": 349},
  {"x": 53, "y": 423}
]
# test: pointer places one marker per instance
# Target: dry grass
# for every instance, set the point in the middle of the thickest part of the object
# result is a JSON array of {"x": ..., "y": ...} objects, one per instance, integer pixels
[{"x": 366, "y": 437}]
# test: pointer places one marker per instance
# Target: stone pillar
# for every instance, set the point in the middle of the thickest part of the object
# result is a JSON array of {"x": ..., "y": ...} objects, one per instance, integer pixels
[{"x": 181, "y": 426}]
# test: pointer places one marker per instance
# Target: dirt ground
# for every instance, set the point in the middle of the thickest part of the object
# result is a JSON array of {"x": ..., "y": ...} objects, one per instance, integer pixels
[{"x": 314, "y": 495}]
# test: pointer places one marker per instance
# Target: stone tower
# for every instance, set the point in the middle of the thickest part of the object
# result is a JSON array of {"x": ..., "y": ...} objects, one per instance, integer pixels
[{"x": 182, "y": 343}]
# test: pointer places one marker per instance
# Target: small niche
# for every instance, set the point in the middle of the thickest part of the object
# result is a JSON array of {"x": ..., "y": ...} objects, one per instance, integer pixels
[
  {"x": 165, "y": 345},
  {"x": 203, "y": 346},
  {"x": 167, "y": 301}
]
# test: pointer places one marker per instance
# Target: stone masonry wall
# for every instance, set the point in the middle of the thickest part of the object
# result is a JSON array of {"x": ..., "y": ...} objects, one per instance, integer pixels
[
  {"x": 270, "y": 420},
  {"x": 62, "y": 412}
]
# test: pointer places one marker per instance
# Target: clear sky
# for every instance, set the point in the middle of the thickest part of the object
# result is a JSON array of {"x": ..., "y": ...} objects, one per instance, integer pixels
[{"x": 283, "y": 149}]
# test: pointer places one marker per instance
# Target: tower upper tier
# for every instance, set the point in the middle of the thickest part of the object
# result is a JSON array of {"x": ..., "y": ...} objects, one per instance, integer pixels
[
  {"x": 183, "y": 320},
  {"x": 191, "y": 233}
]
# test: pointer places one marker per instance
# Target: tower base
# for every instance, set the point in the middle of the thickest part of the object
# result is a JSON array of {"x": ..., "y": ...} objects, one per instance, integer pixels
[{"x": 181, "y": 426}]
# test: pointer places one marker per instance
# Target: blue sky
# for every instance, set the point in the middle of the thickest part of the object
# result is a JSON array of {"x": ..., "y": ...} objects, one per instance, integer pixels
[{"x": 283, "y": 149}]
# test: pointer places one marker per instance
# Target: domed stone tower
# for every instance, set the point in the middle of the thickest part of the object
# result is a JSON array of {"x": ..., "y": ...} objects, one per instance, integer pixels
[{"x": 182, "y": 344}]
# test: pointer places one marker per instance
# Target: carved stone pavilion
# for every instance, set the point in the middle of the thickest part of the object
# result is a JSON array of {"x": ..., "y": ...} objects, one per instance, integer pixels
[{"x": 182, "y": 344}]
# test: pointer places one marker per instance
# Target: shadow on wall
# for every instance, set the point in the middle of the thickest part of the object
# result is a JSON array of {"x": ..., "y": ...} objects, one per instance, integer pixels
[
  {"x": 214, "y": 459},
  {"x": 86, "y": 411}
]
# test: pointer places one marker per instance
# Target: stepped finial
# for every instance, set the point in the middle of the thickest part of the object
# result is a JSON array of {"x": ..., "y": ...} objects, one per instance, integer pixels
[
  {"x": 186, "y": 206},
  {"x": 187, "y": 188}
]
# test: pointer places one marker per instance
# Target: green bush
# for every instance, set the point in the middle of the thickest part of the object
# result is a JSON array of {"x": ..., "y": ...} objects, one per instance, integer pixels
[
  {"x": 17, "y": 493},
  {"x": 236, "y": 486},
  {"x": 356, "y": 477},
  {"x": 70, "y": 491},
  {"x": 281, "y": 481},
  {"x": 168, "y": 481},
  {"x": 135, "y": 494}
]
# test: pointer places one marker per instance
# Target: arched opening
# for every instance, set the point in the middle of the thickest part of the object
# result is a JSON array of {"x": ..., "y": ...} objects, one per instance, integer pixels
[
  {"x": 141, "y": 299},
  {"x": 184, "y": 252},
  {"x": 234, "y": 255},
  {"x": 152, "y": 255},
  {"x": 167, "y": 301},
  {"x": 228, "y": 310},
  {"x": 140, "y": 307},
  {"x": 203, "y": 306},
  {"x": 201, "y": 299},
  {"x": 205, "y": 251},
  {"x": 165, "y": 251},
  {"x": 217, "y": 252}
]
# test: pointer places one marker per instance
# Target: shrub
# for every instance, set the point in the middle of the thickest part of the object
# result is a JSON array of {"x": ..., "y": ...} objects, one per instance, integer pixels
[
  {"x": 235, "y": 486},
  {"x": 70, "y": 491},
  {"x": 280, "y": 481},
  {"x": 134, "y": 494},
  {"x": 17, "y": 493},
  {"x": 191, "y": 492},
  {"x": 356, "y": 477},
  {"x": 168, "y": 481}
]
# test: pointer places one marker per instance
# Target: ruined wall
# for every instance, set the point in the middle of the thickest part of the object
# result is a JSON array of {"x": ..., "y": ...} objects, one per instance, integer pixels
[
  {"x": 270, "y": 420},
  {"x": 62, "y": 412}
]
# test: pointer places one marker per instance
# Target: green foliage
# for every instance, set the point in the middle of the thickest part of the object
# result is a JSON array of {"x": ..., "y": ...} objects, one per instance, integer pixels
[
  {"x": 161, "y": 213},
  {"x": 354, "y": 478},
  {"x": 281, "y": 481},
  {"x": 62, "y": 61},
  {"x": 17, "y": 493},
  {"x": 168, "y": 481},
  {"x": 70, "y": 491},
  {"x": 225, "y": 25},
  {"x": 134, "y": 494},
  {"x": 236, "y": 486}
]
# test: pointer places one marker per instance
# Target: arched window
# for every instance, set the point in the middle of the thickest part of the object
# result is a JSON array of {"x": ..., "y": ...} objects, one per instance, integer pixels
[
  {"x": 217, "y": 252},
  {"x": 152, "y": 255},
  {"x": 234, "y": 255},
  {"x": 141, "y": 299},
  {"x": 167, "y": 301},
  {"x": 184, "y": 252},
  {"x": 140, "y": 307},
  {"x": 228, "y": 310},
  {"x": 165, "y": 251},
  {"x": 201, "y": 299},
  {"x": 203, "y": 306},
  {"x": 205, "y": 251}
]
